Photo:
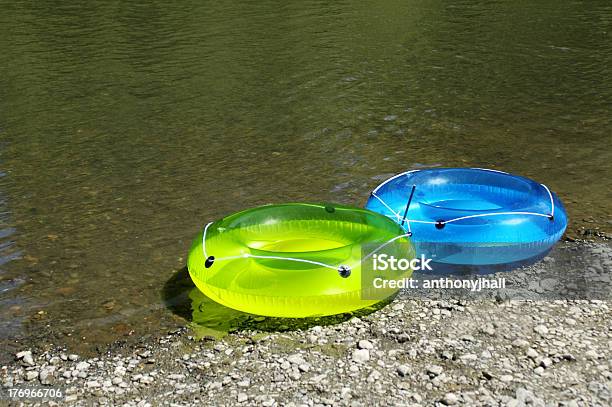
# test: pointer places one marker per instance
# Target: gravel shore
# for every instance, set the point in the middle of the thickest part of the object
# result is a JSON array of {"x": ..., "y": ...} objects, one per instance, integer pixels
[{"x": 411, "y": 352}]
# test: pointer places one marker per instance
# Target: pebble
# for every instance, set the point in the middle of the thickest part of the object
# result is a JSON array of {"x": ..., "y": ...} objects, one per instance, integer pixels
[
  {"x": 73, "y": 357},
  {"x": 242, "y": 397},
  {"x": 31, "y": 375},
  {"x": 541, "y": 329},
  {"x": 546, "y": 362},
  {"x": 365, "y": 344},
  {"x": 532, "y": 353},
  {"x": 361, "y": 355},
  {"x": 570, "y": 321},
  {"x": 450, "y": 399},
  {"x": 403, "y": 370},
  {"x": 146, "y": 379},
  {"x": 398, "y": 307},
  {"x": 506, "y": 378},
  {"x": 46, "y": 374},
  {"x": 82, "y": 366},
  {"x": 296, "y": 359},
  {"x": 446, "y": 354},
  {"x": 520, "y": 343},
  {"x": 20, "y": 355},
  {"x": 468, "y": 357},
  {"x": 434, "y": 370},
  {"x": 489, "y": 330},
  {"x": 374, "y": 376},
  {"x": 26, "y": 358}
]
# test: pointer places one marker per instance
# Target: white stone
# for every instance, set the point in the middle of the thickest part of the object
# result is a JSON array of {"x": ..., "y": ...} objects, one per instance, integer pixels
[
  {"x": 435, "y": 370},
  {"x": 28, "y": 359},
  {"x": 46, "y": 374},
  {"x": 296, "y": 359},
  {"x": 361, "y": 355},
  {"x": 520, "y": 343},
  {"x": 403, "y": 370},
  {"x": 450, "y": 399},
  {"x": 541, "y": 329},
  {"x": 20, "y": 355},
  {"x": 591, "y": 354},
  {"x": 546, "y": 362},
  {"x": 31, "y": 375}
]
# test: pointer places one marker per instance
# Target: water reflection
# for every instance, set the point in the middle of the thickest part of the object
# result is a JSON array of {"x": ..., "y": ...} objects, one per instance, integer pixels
[{"x": 209, "y": 319}]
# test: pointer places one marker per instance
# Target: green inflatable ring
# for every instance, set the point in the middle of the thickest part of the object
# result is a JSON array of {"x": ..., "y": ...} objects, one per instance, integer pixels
[{"x": 290, "y": 260}]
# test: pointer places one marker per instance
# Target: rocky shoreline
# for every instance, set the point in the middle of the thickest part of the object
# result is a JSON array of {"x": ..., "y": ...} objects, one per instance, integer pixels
[{"x": 415, "y": 351}]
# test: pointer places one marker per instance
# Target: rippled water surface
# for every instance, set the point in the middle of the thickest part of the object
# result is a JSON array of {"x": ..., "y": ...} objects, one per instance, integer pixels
[{"x": 125, "y": 127}]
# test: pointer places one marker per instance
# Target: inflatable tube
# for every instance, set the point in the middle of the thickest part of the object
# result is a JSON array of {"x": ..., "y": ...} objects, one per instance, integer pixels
[
  {"x": 472, "y": 216},
  {"x": 290, "y": 260}
]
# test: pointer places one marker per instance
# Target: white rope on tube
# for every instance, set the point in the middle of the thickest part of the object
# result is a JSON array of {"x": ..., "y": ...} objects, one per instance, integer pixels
[
  {"x": 481, "y": 215},
  {"x": 253, "y": 256},
  {"x": 386, "y": 206},
  {"x": 552, "y": 201},
  {"x": 204, "y": 240},
  {"x": 409, "y": 228},
  {"x": 488, "y": 169}
]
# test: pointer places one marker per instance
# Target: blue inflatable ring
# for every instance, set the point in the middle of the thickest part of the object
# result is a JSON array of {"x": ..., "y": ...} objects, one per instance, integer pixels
[{"x": 473, "y": 216}]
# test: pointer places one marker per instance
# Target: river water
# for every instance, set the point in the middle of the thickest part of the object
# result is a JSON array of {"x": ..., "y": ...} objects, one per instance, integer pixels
[{"x": 125, "y": 127}]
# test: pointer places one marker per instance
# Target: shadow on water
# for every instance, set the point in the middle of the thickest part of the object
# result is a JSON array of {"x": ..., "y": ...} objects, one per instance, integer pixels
[{"x": 211, "y": 320}]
